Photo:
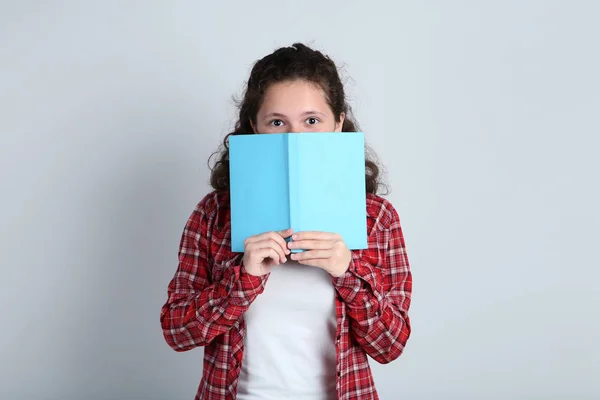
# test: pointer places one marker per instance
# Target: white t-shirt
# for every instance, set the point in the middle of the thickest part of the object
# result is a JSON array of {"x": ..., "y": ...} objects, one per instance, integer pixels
[{"x": 289, "y": 346}]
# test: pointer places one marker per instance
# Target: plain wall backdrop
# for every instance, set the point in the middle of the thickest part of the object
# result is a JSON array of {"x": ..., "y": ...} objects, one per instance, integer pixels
[{"x": 485, "y": 114}]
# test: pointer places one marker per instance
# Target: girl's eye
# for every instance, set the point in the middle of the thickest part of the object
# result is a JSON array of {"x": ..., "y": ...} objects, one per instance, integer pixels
[
  {"x": 276, "y": 123},
  {"x": 312, "y": 121}
]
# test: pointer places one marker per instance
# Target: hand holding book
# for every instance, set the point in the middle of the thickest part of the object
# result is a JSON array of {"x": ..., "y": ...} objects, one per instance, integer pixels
[
  {"x": 322, "y": 250},
  {"x": 264, "y": 250}
]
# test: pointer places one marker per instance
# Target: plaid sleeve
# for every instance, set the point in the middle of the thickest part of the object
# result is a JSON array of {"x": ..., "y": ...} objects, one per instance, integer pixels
[
  {"x": 377, "y": 294},
  {"x": 198, "y": 310}
]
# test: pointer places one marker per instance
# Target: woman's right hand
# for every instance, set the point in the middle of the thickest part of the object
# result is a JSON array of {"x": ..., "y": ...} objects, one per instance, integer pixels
[{"x": 263, "y": 251}]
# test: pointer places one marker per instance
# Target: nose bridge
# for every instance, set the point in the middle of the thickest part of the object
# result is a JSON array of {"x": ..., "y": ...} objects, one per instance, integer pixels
[{"x": 295, "y": 127}]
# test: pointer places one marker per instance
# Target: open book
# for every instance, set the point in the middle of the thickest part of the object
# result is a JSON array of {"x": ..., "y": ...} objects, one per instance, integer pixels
[{"x": 304, "y": 181}]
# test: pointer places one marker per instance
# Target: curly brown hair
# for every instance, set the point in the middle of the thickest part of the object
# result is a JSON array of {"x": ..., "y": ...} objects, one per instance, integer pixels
[{"x": 296, "y": 62}]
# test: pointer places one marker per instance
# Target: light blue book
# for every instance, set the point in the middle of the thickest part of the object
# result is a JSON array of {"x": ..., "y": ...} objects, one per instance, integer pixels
[{"x": 304, "y": 181}]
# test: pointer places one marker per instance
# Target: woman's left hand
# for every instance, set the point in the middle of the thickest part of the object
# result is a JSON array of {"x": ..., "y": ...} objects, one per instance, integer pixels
[{"x": 322, "y": 250}]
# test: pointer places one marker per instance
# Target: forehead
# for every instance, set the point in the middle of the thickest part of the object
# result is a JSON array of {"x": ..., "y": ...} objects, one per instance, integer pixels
[{"x": 294, "y": 96}]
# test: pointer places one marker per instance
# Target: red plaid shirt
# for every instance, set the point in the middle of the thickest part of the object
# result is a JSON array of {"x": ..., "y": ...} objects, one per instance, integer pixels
[{"x": 210, "y": 292}]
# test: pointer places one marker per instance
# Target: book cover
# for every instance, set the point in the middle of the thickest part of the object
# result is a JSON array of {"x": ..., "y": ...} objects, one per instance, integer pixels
[{"x": 304, "y": 181}]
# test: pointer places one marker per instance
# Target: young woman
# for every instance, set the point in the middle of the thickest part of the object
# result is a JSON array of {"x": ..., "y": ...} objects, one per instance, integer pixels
[{"x": 282, "y": 325}]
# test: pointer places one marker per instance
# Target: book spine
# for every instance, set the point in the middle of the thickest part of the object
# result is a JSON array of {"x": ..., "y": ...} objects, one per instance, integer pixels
[{"x": 293, "y": 178}]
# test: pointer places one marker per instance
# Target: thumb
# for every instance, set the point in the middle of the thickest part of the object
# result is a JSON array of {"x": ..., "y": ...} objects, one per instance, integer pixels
[{"x": 285, "y": 233}]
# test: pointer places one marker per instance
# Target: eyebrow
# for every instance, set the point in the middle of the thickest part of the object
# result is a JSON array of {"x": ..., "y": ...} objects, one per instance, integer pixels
[
  {"x": 271, "y": 115},
  {"x": 279, "y": 115}
]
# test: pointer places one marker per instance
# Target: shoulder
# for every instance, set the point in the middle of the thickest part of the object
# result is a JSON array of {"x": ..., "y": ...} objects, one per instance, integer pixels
[
  {"x": 213, "y": 203},
  {"x": 209, "y": 225},
  {"x": 212, "y": 210},
  {"x": 381, "y": 214}
]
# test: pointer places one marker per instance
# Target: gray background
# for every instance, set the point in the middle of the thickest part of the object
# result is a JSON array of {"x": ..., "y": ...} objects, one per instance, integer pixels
[{"x": 485, "y": 114}]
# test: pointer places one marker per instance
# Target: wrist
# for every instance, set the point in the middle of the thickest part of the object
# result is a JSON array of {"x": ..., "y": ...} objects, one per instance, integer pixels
[
  {"x": 342, "y": 270},
  {"x": 253, "y": 271}
]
